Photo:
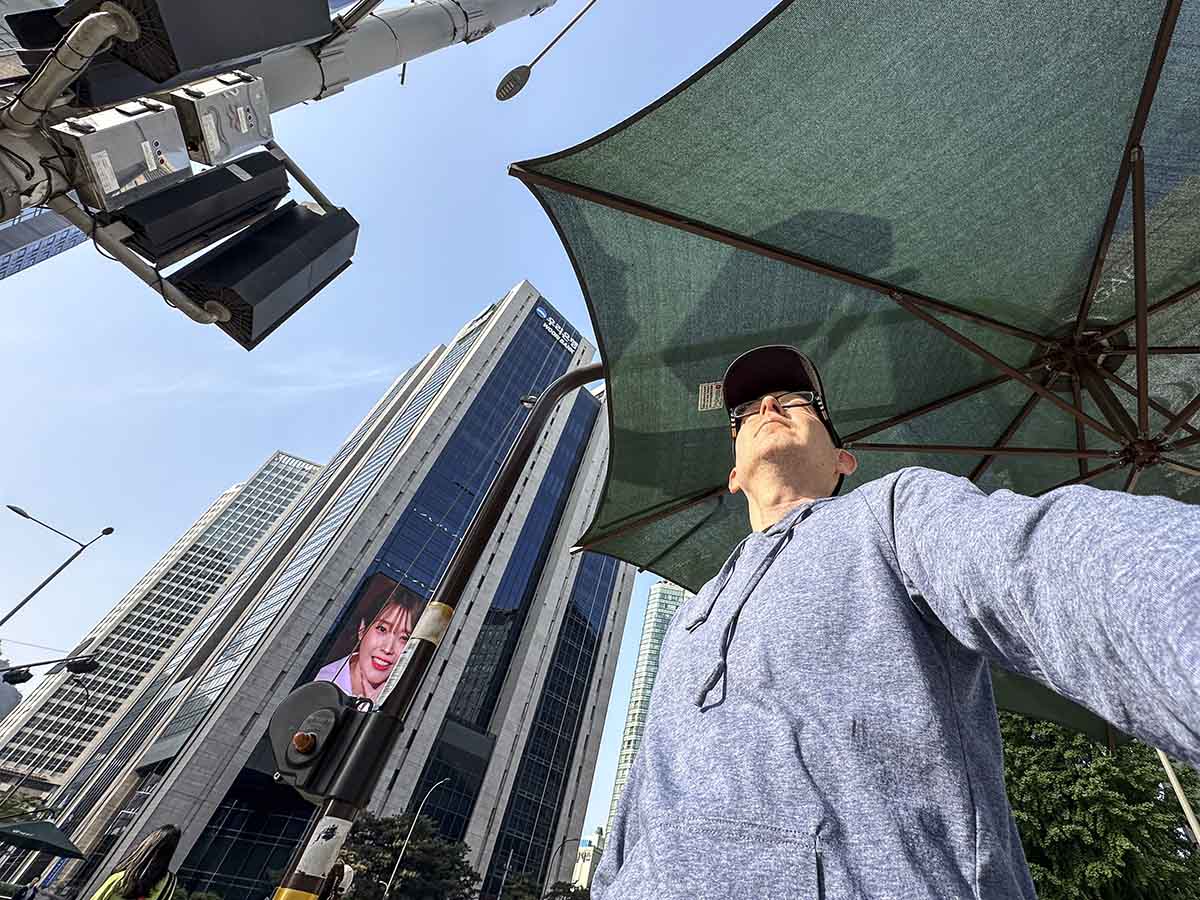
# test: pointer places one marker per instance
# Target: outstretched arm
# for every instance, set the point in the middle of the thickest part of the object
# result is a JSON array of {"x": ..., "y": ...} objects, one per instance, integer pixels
[{"x": 1094, "y": 593}]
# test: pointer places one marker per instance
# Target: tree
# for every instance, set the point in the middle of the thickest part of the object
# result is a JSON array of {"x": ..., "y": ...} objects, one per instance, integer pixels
[
  {"x": 433, "y": 868},
  {"x": 564, "y": 890},
  {"x": 1098, "y": 825},
  {"x": 520, "y": 887}
]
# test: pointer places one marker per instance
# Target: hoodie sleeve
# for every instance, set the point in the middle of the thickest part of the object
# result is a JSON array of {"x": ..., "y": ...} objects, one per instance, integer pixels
[{"x": 1094, "y": 593}]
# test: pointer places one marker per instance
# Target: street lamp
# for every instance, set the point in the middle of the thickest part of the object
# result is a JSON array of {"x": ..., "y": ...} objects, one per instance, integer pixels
[
  {"x": 550, "y": 868},
  {"x": 512, "y": 83},
  {"x": 70, "y": 559},
  {"x": 396, "y": 868}
]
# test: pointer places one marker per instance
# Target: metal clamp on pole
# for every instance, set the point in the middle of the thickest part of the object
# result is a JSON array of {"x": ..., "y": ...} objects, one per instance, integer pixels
[
  {"x": 362, "y": 761},
  {"x": 296, "y": 172},
  {"x": 210, "y": 313}
]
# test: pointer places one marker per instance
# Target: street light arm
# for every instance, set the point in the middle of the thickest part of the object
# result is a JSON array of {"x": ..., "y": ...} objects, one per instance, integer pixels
[
  {"x": 47, "y": 662},
  {"x": 413, "y": 824},
  {"x": 70, "y": 559}
]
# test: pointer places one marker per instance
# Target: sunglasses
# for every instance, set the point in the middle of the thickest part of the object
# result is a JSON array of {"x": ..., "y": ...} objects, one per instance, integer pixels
[{"x": 785, "y": 399}]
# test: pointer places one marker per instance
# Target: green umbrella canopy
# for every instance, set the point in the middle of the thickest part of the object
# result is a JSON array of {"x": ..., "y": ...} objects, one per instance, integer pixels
[
  {"x": 45, "y": 837},
  {"x": 936, "y": 202}
]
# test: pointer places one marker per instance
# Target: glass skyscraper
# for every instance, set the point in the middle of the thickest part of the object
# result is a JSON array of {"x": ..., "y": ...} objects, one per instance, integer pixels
[
  {"x": 665, "y": 599},
  {"x": 514, "y": 702},
  {"x": 62, "y": 721}
]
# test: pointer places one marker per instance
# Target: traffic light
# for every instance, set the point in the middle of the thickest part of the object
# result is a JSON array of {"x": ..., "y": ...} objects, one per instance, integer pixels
[
  {"x": 83, "y": 665},
  {"x": 17, "y": 676}
]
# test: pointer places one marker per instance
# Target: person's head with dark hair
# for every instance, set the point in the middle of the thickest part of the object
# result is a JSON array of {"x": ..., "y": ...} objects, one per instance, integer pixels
[
  {"x": 380, "y": 643},
  {"x": 148, "y": 862}
]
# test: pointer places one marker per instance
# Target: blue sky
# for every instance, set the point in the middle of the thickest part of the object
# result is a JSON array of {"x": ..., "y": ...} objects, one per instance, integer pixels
[{"x": 120, "y": 411}]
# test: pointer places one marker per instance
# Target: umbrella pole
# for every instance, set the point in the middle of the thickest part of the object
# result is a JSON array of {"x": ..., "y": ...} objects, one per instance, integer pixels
[{"x": 1180, "y": 796}]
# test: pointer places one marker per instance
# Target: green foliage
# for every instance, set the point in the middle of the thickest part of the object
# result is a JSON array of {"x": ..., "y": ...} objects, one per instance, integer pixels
[
  {"x": 564, "y": 890},
  {"x": 1098, "y": 825},
  {"x": 520, "y": 887},
  {"x": 432, "y": 869}
]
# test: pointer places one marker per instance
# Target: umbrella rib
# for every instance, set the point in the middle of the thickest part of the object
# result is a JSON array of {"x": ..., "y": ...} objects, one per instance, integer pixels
[
  {"x": 1068, "y": 452},
  {"x": 632, "y": 524},
  {"x": 1183, "y": 416},
  {"x": 1162, "y": 42},
  {"x": 1154, "y": 351},
  {"x": 1179, "y": 466},
  {"x": 1000, "y": 364},
  {"x": 1140, "y": 289},
  {"x": 934, "y": 405},
  {"x": 741, "y": 242},
  {"x": 1178, "y": 297},
  {"x": 1080, "y": 434},
  {"x": 1154, "y": 404},
  {"x": 1131, "y": 482},
  {"x": 1013, "y": 427},
  {"x": 1083, "y": 479}
]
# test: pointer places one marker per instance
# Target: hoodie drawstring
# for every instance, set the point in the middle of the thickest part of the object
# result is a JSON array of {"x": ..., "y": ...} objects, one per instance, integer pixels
[{"x": 717, "y": 676}]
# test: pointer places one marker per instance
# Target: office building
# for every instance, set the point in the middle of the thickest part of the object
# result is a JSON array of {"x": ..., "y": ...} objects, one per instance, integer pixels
[
  {"x": 9, "y": 695},
  {"x": 44, "y": 740},
  {"x": 587, "y": 858},
  {"x": 665, "y": 598},
  {"x": 513, "y": 706}
]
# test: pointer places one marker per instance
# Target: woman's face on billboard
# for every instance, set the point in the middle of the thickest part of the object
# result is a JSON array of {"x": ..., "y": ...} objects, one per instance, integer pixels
[{"x": 380, "y": 645}]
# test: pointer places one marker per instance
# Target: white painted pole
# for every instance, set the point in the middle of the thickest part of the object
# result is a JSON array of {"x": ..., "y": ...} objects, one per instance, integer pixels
[{"x": 384, "y": 40}]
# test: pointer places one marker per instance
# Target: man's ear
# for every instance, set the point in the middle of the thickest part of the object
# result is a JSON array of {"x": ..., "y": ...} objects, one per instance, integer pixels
[
  {"x": 734, "y": 486},
  {"x": 847, "y": 462}
]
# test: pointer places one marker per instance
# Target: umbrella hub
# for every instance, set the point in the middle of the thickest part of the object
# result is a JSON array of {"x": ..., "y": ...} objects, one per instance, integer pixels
[
  {"x": 1068, "y": 351},
  {"x": 1143, "y": 452}
]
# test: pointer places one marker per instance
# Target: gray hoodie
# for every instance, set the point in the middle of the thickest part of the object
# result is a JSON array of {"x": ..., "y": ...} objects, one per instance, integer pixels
[{"x": 822, "y": 723}]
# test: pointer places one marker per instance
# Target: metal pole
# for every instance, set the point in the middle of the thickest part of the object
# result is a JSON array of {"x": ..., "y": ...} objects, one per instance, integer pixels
[
  {"x": 70, "y": 559},
  {"x": 354, "y": 783},
  {"x": 1140, "y": 291},
  {"x": 1188, "y": 813},
  {"x": 550, "y": 868},
  {"x": 504, "y": 877},
  {"x": 396, "y": 868}
]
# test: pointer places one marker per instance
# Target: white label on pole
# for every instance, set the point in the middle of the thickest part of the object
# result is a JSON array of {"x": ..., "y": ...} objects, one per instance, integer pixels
[
  {"x": 323, "y": 847},
  {"x": 239, "y": 172},
  {"x": 243, "y": 120},
  {"x": 710, "y": 397},
  {"x": 148, "y": 153},
  {"x": 104, "y": 172},
  {"x": 208, "y": 124}
]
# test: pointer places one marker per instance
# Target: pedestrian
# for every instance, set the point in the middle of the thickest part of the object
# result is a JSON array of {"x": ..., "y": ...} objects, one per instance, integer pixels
[
  {"x": 822, "y": 723},
  {"x": 145, "y": 873}
]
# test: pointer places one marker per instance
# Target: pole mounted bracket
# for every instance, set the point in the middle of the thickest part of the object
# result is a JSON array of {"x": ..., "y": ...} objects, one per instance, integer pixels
[{"x": 335, "y": 68}]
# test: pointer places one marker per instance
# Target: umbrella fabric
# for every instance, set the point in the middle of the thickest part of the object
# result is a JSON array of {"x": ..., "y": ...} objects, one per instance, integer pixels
[
  {"x": 858, "y": 180},
  {"x": 41, "y": 836}
]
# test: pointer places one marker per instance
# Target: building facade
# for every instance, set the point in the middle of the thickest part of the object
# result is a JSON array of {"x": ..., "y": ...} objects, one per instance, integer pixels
[
  {"x": 46, "y": 738},
  {"x": 665, "y": 599},
  {"x": 513, "y": 705},
  {"x": 587, "y": 858}
]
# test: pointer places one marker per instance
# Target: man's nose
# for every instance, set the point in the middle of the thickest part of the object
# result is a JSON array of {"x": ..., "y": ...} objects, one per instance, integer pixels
[{"x": 769, "y": 402}]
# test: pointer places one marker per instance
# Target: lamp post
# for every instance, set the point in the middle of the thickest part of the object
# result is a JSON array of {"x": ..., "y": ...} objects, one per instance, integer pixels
[
  {"x": 70, "y": 559},
  {"x": 396, "y": 868},
  {"x": 550, "y": 868},
  {"x": 513, "y": 83}
]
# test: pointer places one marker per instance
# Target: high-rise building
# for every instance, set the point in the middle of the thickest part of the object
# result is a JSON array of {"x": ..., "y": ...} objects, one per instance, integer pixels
[
  {"x": 64, "y": 719},
  {"x": 587, "y": 858},
  {"x": 10, "y": 697},
  {"x": 504, "y": 735},
  {"x": 665, "y": 599}
]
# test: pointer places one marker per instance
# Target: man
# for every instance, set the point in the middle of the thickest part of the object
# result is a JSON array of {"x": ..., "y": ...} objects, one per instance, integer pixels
[{"x": 822, "y": 722}]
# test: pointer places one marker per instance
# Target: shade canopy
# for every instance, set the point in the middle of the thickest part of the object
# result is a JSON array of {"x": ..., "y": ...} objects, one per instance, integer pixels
[
  {"x": 44, "y": 837},
  {"x": 951, "y": 208}
]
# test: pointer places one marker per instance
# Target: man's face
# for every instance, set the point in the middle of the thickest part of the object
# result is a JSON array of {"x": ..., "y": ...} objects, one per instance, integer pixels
[{"x": 793, "y": 437}]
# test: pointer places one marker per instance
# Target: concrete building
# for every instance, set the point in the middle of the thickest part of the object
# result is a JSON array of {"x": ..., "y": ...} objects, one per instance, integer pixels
[
  {"x": 513, "y": 706},
  {"x": 10, "y": 697},
  {"x": 587, "y": 858},
  {"x": 665, "y": 598},
  {"x": 62, "y": 721}
]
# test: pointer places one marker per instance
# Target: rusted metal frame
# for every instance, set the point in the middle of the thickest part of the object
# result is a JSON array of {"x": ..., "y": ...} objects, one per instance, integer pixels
[
  {"x": 935, "y": 405},
  {"x": 1083, "y": 479},
  {"x": 1102, "y": 395},
  {"x": 1131, "y": 482},
  {"x": 1080, "y": 434},
  {"x": 1154, "y": 404},
  {"x": 1140, "y": 289},
  {"x": 1067, "y": 452},
  {"x": 1180, "y": 466},
  {"x": 1179, "y": 296},
  {"x": 1185, "y": 443},
  {"x": 1162, "y": 43},
  {"x": 1184, "y": 415},
  {"x": 967, "y": 343},
  {"x": 1154, "y": 351},
  {"x": 1013, "y": 427},
  {"x": 633, "y": 524},
  {"x": 741, "y": 242}
]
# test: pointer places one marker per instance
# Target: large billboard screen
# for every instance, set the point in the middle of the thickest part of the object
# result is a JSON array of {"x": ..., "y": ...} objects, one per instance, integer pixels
[{"x": 371, "y": 638}]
